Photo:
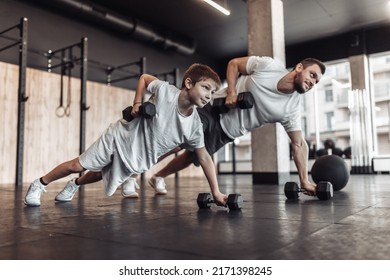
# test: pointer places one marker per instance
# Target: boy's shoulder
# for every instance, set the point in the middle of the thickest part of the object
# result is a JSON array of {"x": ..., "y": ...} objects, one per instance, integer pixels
[
  {"x": 159, "y": 85},
  {"x": 196, "y": 118}
]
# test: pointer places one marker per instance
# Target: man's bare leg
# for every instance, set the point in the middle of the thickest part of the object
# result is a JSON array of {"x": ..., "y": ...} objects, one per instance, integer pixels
[
  {"x": 176, "y": 164},
  {"x": 89, "y": 178}
]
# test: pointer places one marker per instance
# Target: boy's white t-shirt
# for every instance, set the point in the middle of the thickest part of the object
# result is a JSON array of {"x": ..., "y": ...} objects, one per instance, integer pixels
[
  {"x": 141, "y": 141},
  {"x": 270, "y": 106}
]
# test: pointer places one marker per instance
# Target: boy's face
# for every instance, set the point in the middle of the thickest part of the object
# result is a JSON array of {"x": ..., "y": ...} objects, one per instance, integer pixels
[{"x": 200, "y": 93}]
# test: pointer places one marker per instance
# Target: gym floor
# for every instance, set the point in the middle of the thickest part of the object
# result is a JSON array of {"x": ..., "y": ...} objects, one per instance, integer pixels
[{"x": 354, "y": 225}]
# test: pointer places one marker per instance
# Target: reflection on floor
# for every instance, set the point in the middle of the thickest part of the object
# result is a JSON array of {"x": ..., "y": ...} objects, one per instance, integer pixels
[{"x": 355, "y": 224}]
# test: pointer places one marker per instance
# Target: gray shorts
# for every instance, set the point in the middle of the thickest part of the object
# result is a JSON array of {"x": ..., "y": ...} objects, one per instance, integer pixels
[
  {"x": 214, "y": 137},
  {"x": 102, "y": 156}
]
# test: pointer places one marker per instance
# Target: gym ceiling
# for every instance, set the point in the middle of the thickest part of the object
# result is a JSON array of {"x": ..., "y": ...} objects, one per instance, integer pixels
[{"x": 194, "y": 26}]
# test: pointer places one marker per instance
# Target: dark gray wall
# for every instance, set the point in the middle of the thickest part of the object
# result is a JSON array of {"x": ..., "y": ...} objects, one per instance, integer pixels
[
  {"x": 50, "y": 31},
  {"x": 368, "y": 41}
]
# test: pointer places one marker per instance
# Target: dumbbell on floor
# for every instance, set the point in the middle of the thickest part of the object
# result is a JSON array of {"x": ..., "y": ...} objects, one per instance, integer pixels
[
  {"x": 324, "y": 190},
  {"x": 245, "y": 100},
  {"x": 147, "y": 111},
  {"x": 234, "y": 201}
]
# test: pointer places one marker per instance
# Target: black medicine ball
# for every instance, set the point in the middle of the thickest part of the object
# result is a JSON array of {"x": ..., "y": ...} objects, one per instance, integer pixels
[{"x": 331, "y": 168}]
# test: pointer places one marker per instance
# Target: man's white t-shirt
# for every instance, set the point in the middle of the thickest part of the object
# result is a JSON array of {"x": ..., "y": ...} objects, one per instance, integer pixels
[
  {"x": 270, "y": 106},
  {"x": 141, "y": 141}
]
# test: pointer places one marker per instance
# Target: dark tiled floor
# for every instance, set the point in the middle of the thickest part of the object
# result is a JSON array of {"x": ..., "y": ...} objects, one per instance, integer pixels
[{"x": 355, "y": 224}]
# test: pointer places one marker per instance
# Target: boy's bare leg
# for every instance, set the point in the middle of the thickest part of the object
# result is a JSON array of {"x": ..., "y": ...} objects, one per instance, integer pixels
[
  {"x": 63, "y": 170},
  {"x": 33, "y": 195},
  {"x": 73, "y": 185}
]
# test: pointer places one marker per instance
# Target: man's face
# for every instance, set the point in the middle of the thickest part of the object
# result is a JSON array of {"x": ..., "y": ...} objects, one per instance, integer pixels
[{"x": 307, "y": 77}]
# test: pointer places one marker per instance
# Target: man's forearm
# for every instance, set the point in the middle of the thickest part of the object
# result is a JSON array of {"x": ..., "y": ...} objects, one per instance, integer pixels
[
  {"x": 300, "y": 156},
  {"x": 235, "y": 67},
  {"x": 231, "y": 77}
]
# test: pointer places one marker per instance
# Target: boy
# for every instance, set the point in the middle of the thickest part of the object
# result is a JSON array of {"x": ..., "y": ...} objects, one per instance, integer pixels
[{"x": 129, "y": 148}]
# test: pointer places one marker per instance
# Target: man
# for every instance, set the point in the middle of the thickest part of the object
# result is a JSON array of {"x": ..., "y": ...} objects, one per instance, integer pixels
[{"x": 277, "y": 95}]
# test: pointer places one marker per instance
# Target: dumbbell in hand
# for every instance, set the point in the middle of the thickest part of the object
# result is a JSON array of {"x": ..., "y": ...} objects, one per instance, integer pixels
[
  {"x": 324, "y": 190},
  {"x": 234, "y": 201},
  {"x": 147, "y": 110},
  {"x": 245, "y": 100}
]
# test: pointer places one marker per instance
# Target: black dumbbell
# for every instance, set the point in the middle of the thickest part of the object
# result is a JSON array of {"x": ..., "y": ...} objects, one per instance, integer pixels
[
  {"x": 234, "y": 201},
  {"x": 147, "y": 110},
  {"x": 324, "y": 190},
  {"x": 245, "y": 100}
]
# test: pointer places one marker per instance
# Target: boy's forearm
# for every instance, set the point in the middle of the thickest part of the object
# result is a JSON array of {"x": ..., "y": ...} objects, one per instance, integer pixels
[
  {"x": 142, "y": 86},
  {"x": 209, "y": 171},
  {"x": 211, "y": 177}
]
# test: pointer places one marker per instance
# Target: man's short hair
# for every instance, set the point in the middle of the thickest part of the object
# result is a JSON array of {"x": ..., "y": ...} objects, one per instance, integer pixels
[{"x": 310, "y": 61}]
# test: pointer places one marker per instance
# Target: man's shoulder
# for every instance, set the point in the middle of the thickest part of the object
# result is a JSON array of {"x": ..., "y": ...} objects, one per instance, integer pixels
[
  {"x": 263, "y": 59},
  {"x": 264, "y": 63}
]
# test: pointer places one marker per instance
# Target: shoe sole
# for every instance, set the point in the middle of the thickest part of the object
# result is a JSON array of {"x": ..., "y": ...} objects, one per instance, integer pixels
[
  {"x": 157, "y": 192},
  {"x": 64, "y": 200},
  {"x": 130, "y": 195},
  {"x": 59, "y": 200},
  {"x": 31, "y": 205},
  {"x": 161, "y": 193}
]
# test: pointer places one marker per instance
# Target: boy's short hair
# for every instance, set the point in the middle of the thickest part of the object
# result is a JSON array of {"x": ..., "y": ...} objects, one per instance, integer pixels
[{"x": 197, "y": 72}]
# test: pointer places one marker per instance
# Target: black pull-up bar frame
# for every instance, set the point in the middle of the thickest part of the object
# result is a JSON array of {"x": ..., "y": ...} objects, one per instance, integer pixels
[
  {"x": 22, "y": 97},
  {"x": 81, "y": 60},
  {"x": 141, "y": 64}
]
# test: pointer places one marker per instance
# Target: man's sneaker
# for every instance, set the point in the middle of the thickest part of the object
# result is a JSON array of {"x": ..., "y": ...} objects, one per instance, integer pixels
[
  {"x": 128, "y": 188},
  {"x": 68, "y": 192},
  {"x": 33, "y": 196},
  {"x": 158, "y": 184}
]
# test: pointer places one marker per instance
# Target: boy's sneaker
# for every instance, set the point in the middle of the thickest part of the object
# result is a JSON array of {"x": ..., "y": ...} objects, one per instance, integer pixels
[
  {"x": 33, "y": 196},
  {"x": 68, "y": 192},
  {"x": 158, "y": 184},
  {"x": 128, "y": 188}
]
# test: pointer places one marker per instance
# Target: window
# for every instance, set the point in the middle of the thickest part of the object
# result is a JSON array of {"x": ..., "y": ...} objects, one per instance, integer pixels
[
  {"x": 327, "y": 106},
  {"x": 329, "y": 116},
  {"x": 304, "y": 126},
  {"x": 328, "y": 95},
  {"x": 380, "y": 73}
]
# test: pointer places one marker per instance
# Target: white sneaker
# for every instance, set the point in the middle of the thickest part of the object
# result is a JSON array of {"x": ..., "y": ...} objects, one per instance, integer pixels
[
  {"x": 158, "y": 184},
  {"x": 33, "y": 196},
  {"x": 128, "y": 188},
  {"x": 68, "y": 192}
]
